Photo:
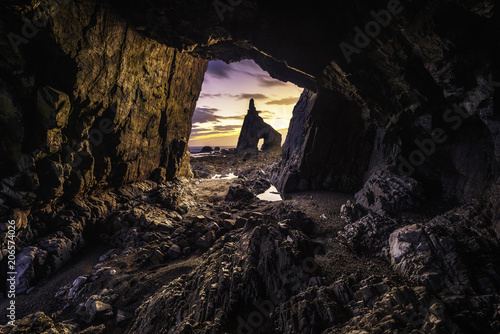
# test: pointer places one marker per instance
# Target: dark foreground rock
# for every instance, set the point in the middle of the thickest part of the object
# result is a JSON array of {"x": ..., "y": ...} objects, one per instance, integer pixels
[
  {"x": 247, "y": 266},
  {"x": 244, "y": 268}
]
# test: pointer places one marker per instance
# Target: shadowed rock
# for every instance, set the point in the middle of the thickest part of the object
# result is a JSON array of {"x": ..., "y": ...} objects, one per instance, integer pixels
[{"x": 254, "y": 128}]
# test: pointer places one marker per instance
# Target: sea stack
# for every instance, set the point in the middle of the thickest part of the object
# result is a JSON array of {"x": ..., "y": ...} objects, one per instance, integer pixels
[{"x": 254, "y": 128}]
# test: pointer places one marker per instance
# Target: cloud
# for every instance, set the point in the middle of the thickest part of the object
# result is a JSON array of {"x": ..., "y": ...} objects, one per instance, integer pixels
[
  {"x": 284, "y": 102},
  {"x": 245, "y": 96},
  {"x": 226, "y": 128},
  {"x": 200, "y": 131},
  {"x": 270, "y": 114},
  {"x": 270, "y": 82},
  {"x": 205, "y": 115},
  {"x": 219, "y": 69},
  {"x": 209, "y": 115},
  {"x": 235, "y": 117},
  {"x": 210, "y": 95}
]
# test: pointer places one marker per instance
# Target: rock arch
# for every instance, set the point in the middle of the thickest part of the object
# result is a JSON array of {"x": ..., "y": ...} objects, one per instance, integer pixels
[{"x": 254, "y": 128}]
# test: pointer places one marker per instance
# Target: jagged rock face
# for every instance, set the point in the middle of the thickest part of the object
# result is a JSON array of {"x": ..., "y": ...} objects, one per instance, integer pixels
[
  {"x": 90, "y": 103},
  {"x": 253, "y": 129},
  {"x": 383, "y": 96},
  {"x": 328, "y": 144},
  {"x": 384, "y": 106},
  {"x": 252, "y": 268}
]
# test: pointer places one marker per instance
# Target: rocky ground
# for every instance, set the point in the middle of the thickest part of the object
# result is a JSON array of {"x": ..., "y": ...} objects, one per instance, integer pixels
[{"x": 207, "y": 256}]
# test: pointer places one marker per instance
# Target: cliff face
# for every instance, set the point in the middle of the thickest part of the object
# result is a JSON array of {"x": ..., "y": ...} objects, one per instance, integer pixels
[
  {"x": 400, "y": 101},
  {"x": 88, "y": 103},
  {"x": 400, "y": 85},
  {"x": 415, "y": 100},
  {"x": 411, "y": 96}
]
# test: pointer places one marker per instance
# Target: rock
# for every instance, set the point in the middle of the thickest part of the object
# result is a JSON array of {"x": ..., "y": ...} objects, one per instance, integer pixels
[
  {"x": 254, "y": 128},
  {"x": 94, "y": 309},
  {"x": 27, "y": 262},
  {"x": 174, "y": 251},
  {"x": 206, "y": 240},
  {"x": 125, "y": 79},
  {"x": 257, "y": 180},
  {"x": 199, "y": 219},
  {"x": 240, "y": 222},
  {"x": 255, "y": 266},
  {"x": 39, "y": 323},
  {"x": 385, "y": 192},
  {"x": 121, "y": 316},
  {"x": 228, "y": 224},
  {"x": 156, "y": 258},
  {"x": 430, "y": 261},
  {"x": 450, "y": 253},
  {"x": 121, "y": 135},
  {"x": 94, "y": 330},
  {"x": 159, "y": 175},
  {"x": 351, "y": 212},
  {"x": 206, "y": 149},
  {"x": 369, "y": 234},
  {"x": 21, "y": 219},
  {"x": 76, "y": 287},
  {"x": 225, "y": 215},
  {"x": 239, "y": 192},
  {"x": 248, "y": 156},
  {"x": 59, "y": 250},
  {"x": 287, "y": 214}
]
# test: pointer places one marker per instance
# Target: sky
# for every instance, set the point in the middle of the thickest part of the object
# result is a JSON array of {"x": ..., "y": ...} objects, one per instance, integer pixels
[{"x": 225, "y": 96}]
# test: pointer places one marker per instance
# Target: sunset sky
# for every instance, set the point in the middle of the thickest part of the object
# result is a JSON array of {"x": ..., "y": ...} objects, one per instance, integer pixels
[{"x": 224, "y": 100}]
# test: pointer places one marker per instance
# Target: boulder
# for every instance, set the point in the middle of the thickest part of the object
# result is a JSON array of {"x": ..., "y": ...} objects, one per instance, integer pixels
[
  {"x": 452, "y": 253},
  {"x": 390, "y": 193},
  {"x": 239, "y": 192},
  {"x": 174, "y": 251},
  {"x": 28, "y": 264}
]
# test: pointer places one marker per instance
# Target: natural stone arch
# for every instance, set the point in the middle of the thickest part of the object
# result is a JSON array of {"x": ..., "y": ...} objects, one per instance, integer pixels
[{"x": 254, "y": 128}]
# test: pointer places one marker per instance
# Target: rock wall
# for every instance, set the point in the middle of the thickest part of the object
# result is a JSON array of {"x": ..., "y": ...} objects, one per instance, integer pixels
[
  {"x": 382, "y": 95},
  {"x": 380, "y": 99},
  {"x": 328, "y": 144},
  {"x": 416, "y": 96},
  {"x": 413, "y": 101},
  {"x": 88, "y": 103}
]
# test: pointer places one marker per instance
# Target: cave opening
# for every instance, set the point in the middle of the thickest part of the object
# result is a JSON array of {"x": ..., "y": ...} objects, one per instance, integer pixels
[{"x": 224, "y": 102}]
